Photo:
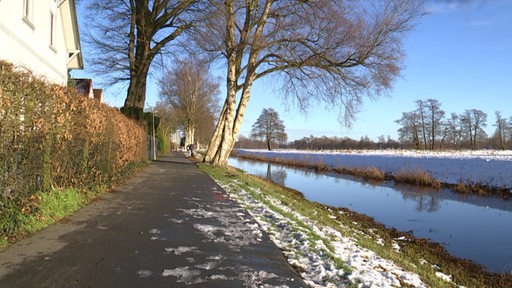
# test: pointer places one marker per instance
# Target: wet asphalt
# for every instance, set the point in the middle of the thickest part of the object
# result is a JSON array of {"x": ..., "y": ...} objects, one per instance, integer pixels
[{"x": 169, "y": 226}]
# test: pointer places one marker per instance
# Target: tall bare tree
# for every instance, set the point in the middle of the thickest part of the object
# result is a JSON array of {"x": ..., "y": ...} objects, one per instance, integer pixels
[
  {"x": 435, "y": 120},
  {"x": 423, "y": 125},
  {"x": 501, "y": 130},
  {"x": 422, "y": 114},
  {"x": 410, "y": 130},
  {"x": 474, "y": 120},
  {"x": 455, "y": 129},
  {"x": 269, "y": 127},
  {"x": 509, "y": 132},
  {"x": 333, "y": 51},
  {"x": 192, "y": 91},
  {"x": 127, "y": 35}
]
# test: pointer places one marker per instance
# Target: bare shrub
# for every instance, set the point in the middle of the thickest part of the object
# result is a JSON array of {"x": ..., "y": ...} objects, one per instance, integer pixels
[
  {"x": 372, "y": 173},
  {"x": 462, "y": 188},
  {"x": 417, "y": 177}
]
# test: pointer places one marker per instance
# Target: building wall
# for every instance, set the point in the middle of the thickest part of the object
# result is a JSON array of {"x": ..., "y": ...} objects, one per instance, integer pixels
[{"x": 25, "y": 40}]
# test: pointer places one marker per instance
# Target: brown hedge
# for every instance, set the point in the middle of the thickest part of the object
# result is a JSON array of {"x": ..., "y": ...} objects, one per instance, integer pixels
[{"x": 51, "y": 137}]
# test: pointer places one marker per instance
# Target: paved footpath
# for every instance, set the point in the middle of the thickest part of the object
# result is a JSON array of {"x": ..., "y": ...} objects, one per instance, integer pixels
[{"x": 169, "y": 226}]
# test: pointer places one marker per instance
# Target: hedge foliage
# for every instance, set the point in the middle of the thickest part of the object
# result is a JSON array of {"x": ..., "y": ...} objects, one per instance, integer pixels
[{"x": 53, "y": 138}]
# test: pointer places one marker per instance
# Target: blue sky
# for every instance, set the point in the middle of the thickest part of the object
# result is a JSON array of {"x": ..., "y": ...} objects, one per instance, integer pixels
[{"x": 460, "y": 54}]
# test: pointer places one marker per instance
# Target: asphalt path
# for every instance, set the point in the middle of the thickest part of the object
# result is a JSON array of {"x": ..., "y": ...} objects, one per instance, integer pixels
[{"x": 169, "y": 226}]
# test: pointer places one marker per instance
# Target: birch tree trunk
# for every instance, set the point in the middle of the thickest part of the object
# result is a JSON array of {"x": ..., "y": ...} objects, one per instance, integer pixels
[
  {"x": 223, "y": 139},
  {"x": 223, "y": 136},
  {"x": 232, "y": 115},
  {"x": 189, "y": 136},
  {"x": 226, "y": 127},
  {"x": 230, "y": 128},
  {"x": 216, "y": 137}
]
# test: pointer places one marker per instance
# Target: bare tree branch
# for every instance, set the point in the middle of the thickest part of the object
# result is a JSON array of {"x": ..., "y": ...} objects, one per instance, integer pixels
[
  {"x": 192, "y": 93},
  {"x": 128, "y": 34},
  {"x": 337, "y": 52}
]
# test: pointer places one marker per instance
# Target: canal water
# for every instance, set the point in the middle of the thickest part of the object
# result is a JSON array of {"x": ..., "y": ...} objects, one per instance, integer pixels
[{"x": 468, "y": 226}]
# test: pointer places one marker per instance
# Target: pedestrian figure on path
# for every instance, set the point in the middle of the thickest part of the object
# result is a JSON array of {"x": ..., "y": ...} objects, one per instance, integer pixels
[{"x": 190, "y": 148}]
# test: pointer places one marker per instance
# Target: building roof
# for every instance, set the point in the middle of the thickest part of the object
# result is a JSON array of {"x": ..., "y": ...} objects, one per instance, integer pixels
[
  {"x": 83, "y": 86},
  {"x": 71, "y": 33}
]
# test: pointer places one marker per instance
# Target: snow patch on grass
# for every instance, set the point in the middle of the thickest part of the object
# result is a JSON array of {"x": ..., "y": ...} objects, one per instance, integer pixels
[{"x": 322, "y": 255}]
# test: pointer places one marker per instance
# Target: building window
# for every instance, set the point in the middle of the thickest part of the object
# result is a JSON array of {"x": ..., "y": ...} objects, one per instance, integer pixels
[
  {"x": 27, "y": 12},
  {"x": 27, "y": 9},
  {"x": 52, "y": 29}
]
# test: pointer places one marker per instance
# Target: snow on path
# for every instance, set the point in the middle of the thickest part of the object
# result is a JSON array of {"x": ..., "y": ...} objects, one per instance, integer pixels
[
  {"x": 486, "y": 167},
  {"x": 366, "y": 269}
]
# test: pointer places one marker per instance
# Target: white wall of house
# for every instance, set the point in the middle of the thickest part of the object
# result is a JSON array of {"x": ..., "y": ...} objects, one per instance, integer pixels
[{"x": 41, "y": 37}]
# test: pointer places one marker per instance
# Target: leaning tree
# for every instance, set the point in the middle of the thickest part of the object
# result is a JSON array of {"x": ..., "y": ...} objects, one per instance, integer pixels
[{"x": 334, "y": 51}]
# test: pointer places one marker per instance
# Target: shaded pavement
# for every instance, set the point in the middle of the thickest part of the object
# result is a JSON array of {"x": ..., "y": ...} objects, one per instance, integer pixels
[{"x": 169, "y": 226}]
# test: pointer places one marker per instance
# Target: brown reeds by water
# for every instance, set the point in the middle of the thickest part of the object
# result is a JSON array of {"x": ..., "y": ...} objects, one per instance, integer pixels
[
  {"x": 417, "y": 177},
  {"x": 372, "y": 174}
]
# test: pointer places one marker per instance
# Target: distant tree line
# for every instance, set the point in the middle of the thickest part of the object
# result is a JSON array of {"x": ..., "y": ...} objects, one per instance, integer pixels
[
  {"x": 254, "y": 143},
  {"x": 322, "y": 143},
  {"x": 428, "y": 128},
  {"x": 425, "y": 128},
  {"x": 343, "y": 143}
]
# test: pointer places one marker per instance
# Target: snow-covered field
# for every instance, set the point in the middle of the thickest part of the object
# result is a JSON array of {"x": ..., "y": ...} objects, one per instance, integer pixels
[{"x": 487, "y": 167}]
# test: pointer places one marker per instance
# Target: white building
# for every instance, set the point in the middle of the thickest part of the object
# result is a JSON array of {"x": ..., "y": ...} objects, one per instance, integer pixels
[{"x": 41, "y": 36}]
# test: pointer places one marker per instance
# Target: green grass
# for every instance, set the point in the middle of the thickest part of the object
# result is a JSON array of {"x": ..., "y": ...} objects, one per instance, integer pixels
[
  {"x": 41, "y": 210},
  {"x": 51, "y": 207},
  {"x": 415, "y": 255},
  {"x": 46, "y": 208}
]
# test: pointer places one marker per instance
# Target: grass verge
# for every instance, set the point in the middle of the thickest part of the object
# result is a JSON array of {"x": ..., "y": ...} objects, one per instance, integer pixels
[
  {"x": 417, "y": 255},
  {"x": 51, "y": 207},
  {"x": 42, "y": 210},
  {"x": 46, "y": 208}
]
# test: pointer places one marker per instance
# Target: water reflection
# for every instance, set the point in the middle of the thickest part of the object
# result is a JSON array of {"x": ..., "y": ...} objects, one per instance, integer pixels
[
  {"x": 426, "y": 198},
  {"x": 278, "y": 176},
  {"x": 425, "y": 201},
  {"x": 468, "y": 226}
]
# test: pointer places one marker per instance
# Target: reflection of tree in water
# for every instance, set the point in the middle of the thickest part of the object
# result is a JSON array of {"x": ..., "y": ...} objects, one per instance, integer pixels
[
  {"x": 278, "y": 176},
  {"x": 426, "y": 199}
]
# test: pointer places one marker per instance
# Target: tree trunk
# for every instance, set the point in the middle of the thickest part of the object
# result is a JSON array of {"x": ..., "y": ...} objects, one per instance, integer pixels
[
  {"x": 139, "y": 63},
  {"x": 226, "y": 132},
  {"x": 216, "y": 137},
  {"x": 230, "y": 125},
  {"x": 433, "y": 134},
  {"x": 136, "y": 95},
  {"x": 230, "y": 122},
  {"x": 223, "y": 140},
  {"x": 189, "y": 135}
]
